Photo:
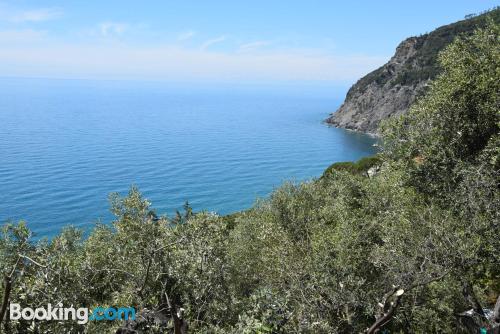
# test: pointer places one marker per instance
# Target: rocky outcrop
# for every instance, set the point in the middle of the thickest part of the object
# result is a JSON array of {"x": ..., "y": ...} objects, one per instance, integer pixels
[
  {"x": 370, "y": 101},
  {"x": 391, "y": 89}
]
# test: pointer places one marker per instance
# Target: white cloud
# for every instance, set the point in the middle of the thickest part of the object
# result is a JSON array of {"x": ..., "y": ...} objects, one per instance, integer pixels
[
  {"x": 175, "y": 63},
  {"x": 210, "y": 42},
  {"x": 112, "y": 28},
  {"x": 247, "y": 47},
  {"x": 185, "y": 35},
  {"x": 34, "y": 52},
  {"x": 21, "y": 36},
  {"x": 35, "y": 15}
]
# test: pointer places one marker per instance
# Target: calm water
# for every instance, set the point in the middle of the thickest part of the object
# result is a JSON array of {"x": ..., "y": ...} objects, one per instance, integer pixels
[{"x": 65, "y": 145}]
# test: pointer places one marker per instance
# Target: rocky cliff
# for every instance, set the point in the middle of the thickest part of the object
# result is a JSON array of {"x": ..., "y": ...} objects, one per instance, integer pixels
[{"x": 392, "y": 88}]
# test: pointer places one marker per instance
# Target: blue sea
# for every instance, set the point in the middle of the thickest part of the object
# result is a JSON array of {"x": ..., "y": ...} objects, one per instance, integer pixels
[{"x": 66, "y": 144}]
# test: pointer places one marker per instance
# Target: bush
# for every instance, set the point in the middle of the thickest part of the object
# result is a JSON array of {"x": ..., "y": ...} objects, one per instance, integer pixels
[{"x": 359, "y": 167}]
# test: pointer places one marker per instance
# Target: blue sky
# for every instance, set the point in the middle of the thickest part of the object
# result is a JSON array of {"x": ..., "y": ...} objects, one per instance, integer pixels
[{"x": 227, "y": 41}]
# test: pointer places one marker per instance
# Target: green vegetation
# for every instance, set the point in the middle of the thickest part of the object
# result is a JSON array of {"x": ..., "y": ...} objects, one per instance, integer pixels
[
  {"x": 423, "y": 64},
  {"x": 359, "y": 167},
  {"x": 407, "y": 250}
]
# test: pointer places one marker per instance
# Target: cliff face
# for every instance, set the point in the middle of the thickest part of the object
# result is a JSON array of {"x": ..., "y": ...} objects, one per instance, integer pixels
[{"x": 391, "y": 89}]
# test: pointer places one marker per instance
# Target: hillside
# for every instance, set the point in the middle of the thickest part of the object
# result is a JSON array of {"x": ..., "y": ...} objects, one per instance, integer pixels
[
  {"x": 402, "y": 242},
  {"x": 392, "y": 88}
]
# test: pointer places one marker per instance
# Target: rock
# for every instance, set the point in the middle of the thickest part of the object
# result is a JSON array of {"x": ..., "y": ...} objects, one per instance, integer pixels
[
  {"x": 391, "y": 89},
  {"x": 144, "y": 322},
  {"x": 372, "y": 171}
]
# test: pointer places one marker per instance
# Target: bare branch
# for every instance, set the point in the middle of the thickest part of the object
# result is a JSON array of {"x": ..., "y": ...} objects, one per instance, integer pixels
[{"x": 30, "y": 259}]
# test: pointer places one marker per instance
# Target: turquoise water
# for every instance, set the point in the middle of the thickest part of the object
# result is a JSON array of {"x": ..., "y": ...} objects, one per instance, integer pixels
[{"x": 65, "y": 145}]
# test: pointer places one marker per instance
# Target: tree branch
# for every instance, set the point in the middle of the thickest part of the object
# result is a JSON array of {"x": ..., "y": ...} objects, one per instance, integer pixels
[
  {"x": 387, "y": 310},
  {"x": 496, "y": 311},
  {"x": 30, "y": 259},
  {"x": 7, "y": 281},
  {"x": 7, "y": 287}
]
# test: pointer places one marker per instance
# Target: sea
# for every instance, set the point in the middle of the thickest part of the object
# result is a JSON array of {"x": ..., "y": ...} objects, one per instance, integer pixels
[{"x": 65, "y": 145}]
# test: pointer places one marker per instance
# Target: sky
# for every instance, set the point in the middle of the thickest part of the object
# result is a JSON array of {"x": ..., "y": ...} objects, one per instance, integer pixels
[{"x": 213, "y": 41}]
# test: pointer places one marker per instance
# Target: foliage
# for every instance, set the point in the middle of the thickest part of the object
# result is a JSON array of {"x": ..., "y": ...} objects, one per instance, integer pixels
[{"x": 359, "y": 167}]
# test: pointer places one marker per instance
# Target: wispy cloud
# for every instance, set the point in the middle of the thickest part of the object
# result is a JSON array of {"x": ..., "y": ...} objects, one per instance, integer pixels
[
  {"x": 112, "y": 28},
  {"x": 172, "y": 62},
  {"x": 248, "y": 47},
  {"x": 35, "y": 15},
  {"x": 185, "y": 35},
  {"x": 210, "y": 42},
  {"x": 27, "y": 51},
  {"x": 21, "y": 36}
]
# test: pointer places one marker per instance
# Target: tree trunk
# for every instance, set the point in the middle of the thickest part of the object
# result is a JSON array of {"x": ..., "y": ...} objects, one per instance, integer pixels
[
  {"x": 177, "y": 314},
  {"x": 496, "y": 311},
  {"x": 387, "y": 309},
  {"x": 180, "y": 325},
  {"x": 6, "y": 294},
  {"x": 469, "y": 294}
]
